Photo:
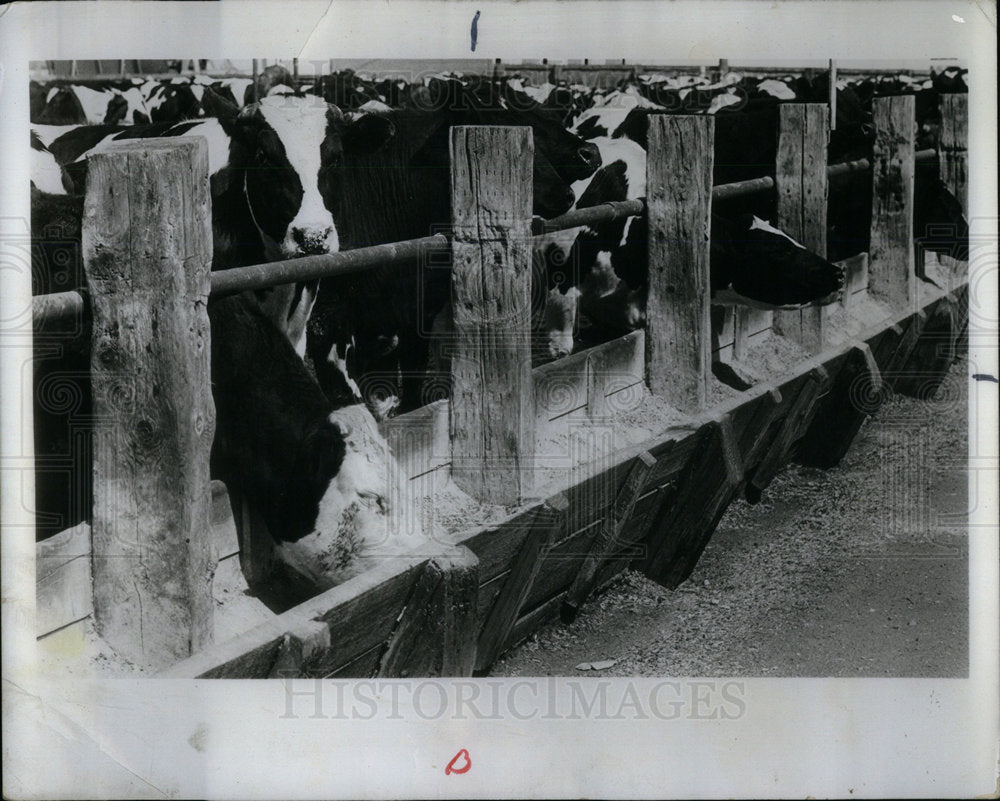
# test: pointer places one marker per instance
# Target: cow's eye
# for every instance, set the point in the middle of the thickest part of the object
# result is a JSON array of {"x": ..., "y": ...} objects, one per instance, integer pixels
[
  {"x": 334, "y": 161},
  {"x": 262, "y": 157}
]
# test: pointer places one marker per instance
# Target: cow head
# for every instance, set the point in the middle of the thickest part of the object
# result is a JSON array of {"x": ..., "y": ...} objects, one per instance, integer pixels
[
  {"x": 289, "y": 153},
  {"x": 348, "y": 477}
]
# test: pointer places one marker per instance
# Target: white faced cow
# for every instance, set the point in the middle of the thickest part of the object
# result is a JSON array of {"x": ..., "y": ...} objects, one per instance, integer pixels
[{"x": 276, "y": 170}]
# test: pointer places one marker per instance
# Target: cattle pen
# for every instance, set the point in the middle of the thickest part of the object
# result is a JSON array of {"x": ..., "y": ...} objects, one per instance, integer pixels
[{"x": 651, "y": 505}]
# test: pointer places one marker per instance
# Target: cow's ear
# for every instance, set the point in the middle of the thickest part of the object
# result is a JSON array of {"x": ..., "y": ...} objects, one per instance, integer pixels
[
  {"x": 368, "y": 133},
  {"x": 216, "y": 105}
]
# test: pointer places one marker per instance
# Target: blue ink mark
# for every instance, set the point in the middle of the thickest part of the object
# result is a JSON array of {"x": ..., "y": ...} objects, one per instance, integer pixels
[
  {"x": 475, "y": 31},
  {"x": 985, "y": 377}
]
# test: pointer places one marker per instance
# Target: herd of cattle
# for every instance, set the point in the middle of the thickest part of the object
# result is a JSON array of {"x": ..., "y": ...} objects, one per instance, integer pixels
[{"x": 349, "y": 161}]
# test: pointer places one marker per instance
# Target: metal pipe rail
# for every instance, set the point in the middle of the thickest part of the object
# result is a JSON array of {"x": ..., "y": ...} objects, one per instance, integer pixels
[{"x": 57, "y": 306}]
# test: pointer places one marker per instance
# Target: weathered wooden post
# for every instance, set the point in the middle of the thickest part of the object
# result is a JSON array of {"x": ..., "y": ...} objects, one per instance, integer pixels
[
  {"x": 892, "y": 276},
  {"x": 800, "y": 180},
  {"x": 147, "y": 246},
  {"x": 492, "y": 401},
  {"x": 954, "y": 144},
  {"x": 833, "y": 95},
  {"x": 679, "y": 202}
]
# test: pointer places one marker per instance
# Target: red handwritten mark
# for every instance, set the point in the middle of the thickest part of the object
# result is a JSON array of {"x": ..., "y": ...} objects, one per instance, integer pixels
[{"x": 460, "y": 763}]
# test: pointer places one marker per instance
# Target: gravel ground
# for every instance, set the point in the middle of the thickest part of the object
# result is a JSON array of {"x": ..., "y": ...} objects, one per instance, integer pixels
[{"x": 857, "y": 571}]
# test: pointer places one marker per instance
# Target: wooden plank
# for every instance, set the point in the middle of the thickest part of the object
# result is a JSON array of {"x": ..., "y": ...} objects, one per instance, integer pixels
[
  {"x": 435, "y": 632},
  {"x": 496, "y": 545},
  {"x": 359, "y": 614},
  {"x": 855, "y": 281},
  {"x": 801, "y": 185},
  {"x": 612, "y": 370},
  {"x": 545, "y": 530},
  {"x": 152, "y": 556},
  {"x": 258, "y": 559},
  {"x": 912, "y": 328},
  {"x": 419, "y": 440},
  {"x": 753, "y": 434},
  {"x": 607, "y": 539},
  {"x": 297, "y": 647},
  {"x": 679, "y": 203},
  {"x": 792, "y": 426},
  {"x": 492, "y": 405},
  {"x": 223, "y": 525},
  {"x": 855, "y": 394},
  {"x": 560, "y": 387},
  {"x": 684, "y": 527},
  {"x": 63, "y": 592},
  {"x": 954, "y": 143},
  {"x": 932, "y": 355},
  {"x": 891, "y": 267}
]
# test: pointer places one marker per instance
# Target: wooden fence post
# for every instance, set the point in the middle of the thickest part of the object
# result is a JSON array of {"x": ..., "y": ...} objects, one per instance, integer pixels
[
  {"x": 492, "y": 401},
  {"x": 147, "y": 247},
  {"x": 679, "y": 202},
  {"x": 954, "y": 144},
  {"x": 892, "y": 277},
  {"x": 800, "y": 180}
]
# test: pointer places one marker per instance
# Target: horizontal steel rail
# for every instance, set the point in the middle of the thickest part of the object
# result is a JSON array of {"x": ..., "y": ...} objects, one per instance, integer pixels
[{"x": 49, "y": 308}]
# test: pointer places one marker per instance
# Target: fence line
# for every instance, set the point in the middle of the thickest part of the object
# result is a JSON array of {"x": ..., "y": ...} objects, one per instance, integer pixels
[
  {"x": 492, "y": 411},
  {"x": 57, "y": 306}
]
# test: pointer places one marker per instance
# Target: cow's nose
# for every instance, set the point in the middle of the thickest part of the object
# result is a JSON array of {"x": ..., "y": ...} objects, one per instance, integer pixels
[
  {"x": 590, "y": 155},
  {"x": 311, "y": 240}
]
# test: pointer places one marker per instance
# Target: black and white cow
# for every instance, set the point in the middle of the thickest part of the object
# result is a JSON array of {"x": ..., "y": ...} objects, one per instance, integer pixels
[
  {"x": 276, "y": 169},
  {"x": 106, "y": 102},
  {"x": 321, "y": 478},
  {"x": 402, "y": 192},
  {"x": 602, "y": 274}
]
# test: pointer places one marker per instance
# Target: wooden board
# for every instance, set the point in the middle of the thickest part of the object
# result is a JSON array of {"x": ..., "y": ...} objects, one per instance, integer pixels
[
  {"x": 679, "y": 206},
  {"x": 891, "y": 268},
  {"x": 683, "y": 528},
  {"x": 954, "y": 139},
  {"x": 801, "y": 184},
  {"x": 546, "y": 528},
  {"x": 63, "y": 592},
  {"x": 492, "y": 404},
  {"x": 152, "y": 556}
]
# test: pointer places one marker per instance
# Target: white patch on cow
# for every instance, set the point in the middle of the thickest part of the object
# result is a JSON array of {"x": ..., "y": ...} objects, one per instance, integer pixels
[
  {"x": 364, "y": 517},
  {"x": 47, "y": 134},
  {"x": 203, "y": 80},
  {"x": 621, "y": 149},
  {"x": 198, "y": 91},
  {"x": 340, "y": 363},
  {"x": 722, "y": 101},
  {"x": 157, "y": 97},
  {"x": 539, "y": 93},
  {"x": 374, "y": 106},
  {"x": 301, "y": 126},
  {"x": 607, "y": 117},
  {"x": 178, "y": 81},
  {"x": 238, "y": 86},
  {"x": 51, "y": 93},
  {"x": 280, "y": 89},
  {"x": 763, "y": 225},
  {"x": 778, "y": 89},
  {"x": 136, "y": 103},
  {"x": 94, "y": 103},
  {"x": 46, "y": 174},
  {"x": 218, "y": 142}
]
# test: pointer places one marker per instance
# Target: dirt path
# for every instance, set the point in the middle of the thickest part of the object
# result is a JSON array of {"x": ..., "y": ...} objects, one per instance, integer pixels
[{"x": 857, "y": 571}]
